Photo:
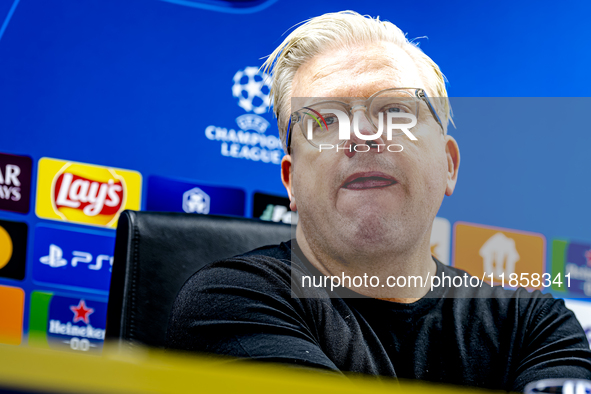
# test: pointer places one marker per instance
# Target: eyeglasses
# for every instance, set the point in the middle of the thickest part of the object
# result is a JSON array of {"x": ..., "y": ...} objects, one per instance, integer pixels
[{"x": 319, "y": 121}]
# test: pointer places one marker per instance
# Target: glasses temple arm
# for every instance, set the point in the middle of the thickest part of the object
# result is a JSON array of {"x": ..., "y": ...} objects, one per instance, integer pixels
[{"x": 423, "y": 95}]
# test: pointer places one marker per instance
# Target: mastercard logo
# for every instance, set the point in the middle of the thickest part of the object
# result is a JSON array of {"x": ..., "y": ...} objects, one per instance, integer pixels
[
  {"x": 85, "y": 193},
  {"x": 13, "y": 250},
  {"x": 5, "y": 247}
]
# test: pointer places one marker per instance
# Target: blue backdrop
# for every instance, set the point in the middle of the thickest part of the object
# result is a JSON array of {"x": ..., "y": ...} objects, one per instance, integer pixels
[{"x": 155, "y": 86}]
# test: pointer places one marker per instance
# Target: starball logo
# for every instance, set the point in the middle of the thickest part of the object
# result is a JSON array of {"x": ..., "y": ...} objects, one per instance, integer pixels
[
  {"x": 85, "y": 193},
  {"x": 254, "y": 139}
]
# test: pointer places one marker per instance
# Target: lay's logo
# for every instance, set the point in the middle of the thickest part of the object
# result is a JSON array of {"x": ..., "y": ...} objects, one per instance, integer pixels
[
  {"x": 85, "y": 193},
  {"x": 90, "y": 196}
]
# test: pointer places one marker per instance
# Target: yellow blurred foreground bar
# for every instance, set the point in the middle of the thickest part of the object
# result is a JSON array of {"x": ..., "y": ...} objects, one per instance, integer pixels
[{"x": 154, "y": 371}]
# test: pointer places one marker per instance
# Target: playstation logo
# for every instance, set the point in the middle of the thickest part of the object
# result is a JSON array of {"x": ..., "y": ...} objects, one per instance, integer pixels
[
  {"x": 196, "y": 201},
  {"x": 54, "y": 259}
]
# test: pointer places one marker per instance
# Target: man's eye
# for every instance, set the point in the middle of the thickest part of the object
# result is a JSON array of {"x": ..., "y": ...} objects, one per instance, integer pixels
[
  {"x": 330, "y": 120},
  {"x": 395, "y": 109}
]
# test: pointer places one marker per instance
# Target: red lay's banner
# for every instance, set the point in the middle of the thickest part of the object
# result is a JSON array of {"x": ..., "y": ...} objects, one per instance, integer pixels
[
  {"x": 85, "y": 193},
  {"x": 90, "y": 196}
]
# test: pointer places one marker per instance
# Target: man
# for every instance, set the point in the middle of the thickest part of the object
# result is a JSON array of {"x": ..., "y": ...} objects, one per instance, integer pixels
[{"x": 366, "y": 205}]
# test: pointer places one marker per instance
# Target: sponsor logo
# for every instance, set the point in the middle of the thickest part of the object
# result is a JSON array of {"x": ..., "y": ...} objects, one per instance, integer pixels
[
  {"x": 484, "y": 250},
  {"x": 15, "y": 182},
  {"x": 440, "y": 239},
  {"x": 276, "y": 213},
  {"x": 572, "y": 258},
  {"x": 582, "y": 310},
  {"x": 85, "y": 193},
  {"x": 90, "y": 196},
  {"x": 196, "y": 201},
  {"x": 81, "y": 312},
  {"x": 170, "y": 195},
  {"x": 499, "y": 255},
  {"x": 273, "y": 208},
  {"x": 12, "y": 302},
  {"x": 5, "y": 247},
  {"x": 54, "y": 258},
  {"x": 66, "y": 323},
  {"x": 251, "y": 89},
  {"x": 13, "y": 249},
  {"x": 73, "y": 258}
]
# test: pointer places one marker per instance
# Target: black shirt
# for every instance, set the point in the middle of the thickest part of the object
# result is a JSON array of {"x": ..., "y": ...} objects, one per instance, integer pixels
[{"x": 487, "y": 337}]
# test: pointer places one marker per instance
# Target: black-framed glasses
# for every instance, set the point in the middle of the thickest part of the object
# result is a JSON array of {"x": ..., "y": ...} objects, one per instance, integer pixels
[{"x": 319, "y": 120}]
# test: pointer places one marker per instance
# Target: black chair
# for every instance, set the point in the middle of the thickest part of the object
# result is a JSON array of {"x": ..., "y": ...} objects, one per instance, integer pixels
[{"x": 156, "y": 252}]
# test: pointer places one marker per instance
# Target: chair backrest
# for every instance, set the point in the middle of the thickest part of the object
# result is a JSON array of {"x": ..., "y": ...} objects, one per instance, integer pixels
[{"x": 156, "y": 252}]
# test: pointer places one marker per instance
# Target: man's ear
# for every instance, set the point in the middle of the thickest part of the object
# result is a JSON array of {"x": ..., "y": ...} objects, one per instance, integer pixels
[
  {"x": 287, "y": 180},
  {"x": 452, "y": 151}
]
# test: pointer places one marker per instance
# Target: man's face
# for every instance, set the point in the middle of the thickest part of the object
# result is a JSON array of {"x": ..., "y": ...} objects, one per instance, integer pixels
[{"x": 359, "y": 204}]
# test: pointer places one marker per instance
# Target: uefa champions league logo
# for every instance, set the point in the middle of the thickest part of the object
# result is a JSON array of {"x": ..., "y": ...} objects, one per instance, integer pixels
[{"x": 251, "y": 88}]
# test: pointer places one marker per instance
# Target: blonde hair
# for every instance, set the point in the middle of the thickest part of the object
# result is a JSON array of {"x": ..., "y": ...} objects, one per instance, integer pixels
[{"x": 342, "y": 28}]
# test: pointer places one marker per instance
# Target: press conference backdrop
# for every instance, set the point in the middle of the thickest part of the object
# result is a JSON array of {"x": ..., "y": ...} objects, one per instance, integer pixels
[{"x": 160, "y": 105}]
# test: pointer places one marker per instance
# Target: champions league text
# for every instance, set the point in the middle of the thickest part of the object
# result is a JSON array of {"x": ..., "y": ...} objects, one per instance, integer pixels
[{"x": 243, "y": 144}]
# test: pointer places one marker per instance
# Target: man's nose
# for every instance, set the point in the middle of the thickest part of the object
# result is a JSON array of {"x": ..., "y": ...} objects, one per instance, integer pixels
[{"x": 365, "y": 128}]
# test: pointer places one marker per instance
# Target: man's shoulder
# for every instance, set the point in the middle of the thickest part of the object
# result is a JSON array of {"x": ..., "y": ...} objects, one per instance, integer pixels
[
  {"x": 527, "y": 306},
  {"x": 266, "y": 263},
  {"x": 281, "y": 252},
  {"x": 268, "y": 271}
]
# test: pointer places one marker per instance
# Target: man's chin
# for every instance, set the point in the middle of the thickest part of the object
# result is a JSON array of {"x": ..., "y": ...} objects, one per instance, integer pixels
[
  {"x": 368, "y": 230},
  {"x": 369, "y": 235},
  {"x": 368, "y": 205}
]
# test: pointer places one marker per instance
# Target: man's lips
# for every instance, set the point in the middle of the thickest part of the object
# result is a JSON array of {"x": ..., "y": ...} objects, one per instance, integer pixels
[{"x": 368, "y": 180}]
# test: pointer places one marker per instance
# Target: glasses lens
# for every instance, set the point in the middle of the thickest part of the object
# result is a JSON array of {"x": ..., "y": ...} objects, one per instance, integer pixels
[
  {"x": 397, "y": 105},
  {"x": 320, "y": 122}
]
